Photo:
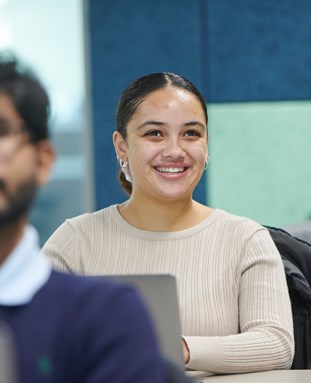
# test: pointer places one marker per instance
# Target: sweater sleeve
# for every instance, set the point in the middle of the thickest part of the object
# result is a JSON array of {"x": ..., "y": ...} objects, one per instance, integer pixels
[
  {"x": 61, "y": 249},
  {"x": 265, "y": 339}
]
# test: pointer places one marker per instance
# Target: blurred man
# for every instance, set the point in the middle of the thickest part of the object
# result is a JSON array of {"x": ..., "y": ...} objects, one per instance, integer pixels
[{"x": 66, "y": 328}]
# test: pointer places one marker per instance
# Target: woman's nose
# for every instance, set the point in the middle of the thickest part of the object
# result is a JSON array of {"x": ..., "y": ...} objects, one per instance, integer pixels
[{"x": 173, "y": 148}]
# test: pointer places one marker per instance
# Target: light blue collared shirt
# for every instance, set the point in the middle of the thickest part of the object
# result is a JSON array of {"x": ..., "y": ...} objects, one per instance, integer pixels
[{"x": 24, "y": 272}]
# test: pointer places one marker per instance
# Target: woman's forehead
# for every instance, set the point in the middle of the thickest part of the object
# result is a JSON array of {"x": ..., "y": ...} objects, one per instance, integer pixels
[{"x": 170, "y": 99}]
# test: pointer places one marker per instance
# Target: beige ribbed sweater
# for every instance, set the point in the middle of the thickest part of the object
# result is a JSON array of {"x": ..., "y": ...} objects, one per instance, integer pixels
[{"x": 234, "y": 304}]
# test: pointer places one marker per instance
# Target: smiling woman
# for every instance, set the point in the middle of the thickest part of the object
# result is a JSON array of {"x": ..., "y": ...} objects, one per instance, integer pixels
[
  {"x": 234, "y": 304},
  {"x": 165, "y": 146},
  {"x": 134, "y": 95}
]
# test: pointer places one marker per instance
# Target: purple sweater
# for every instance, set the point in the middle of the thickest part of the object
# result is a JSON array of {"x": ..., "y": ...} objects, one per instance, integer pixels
[{"x": 78, "y": 329}]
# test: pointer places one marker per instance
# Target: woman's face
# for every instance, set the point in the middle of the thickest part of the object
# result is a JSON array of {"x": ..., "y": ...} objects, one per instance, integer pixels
[{"x": 166, "y": 145}]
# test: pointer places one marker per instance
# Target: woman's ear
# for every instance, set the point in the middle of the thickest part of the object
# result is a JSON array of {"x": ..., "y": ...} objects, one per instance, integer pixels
[
  {"x": 45, "y": 159},
  {"x": 120, "y": 145}
]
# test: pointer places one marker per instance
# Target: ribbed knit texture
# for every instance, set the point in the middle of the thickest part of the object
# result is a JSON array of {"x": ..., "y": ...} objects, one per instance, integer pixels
[{"x": 234, "y": 304}]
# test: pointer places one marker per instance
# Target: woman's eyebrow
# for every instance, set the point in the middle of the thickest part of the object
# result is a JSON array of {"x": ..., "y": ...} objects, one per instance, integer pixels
[
  {"x": 151, "y": 122},
  {"x": 160, "y": 123},
  {"x": 195, "y": 123}
]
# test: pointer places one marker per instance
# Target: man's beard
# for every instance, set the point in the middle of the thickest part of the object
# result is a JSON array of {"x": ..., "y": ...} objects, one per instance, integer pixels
[{"x": 18, "y": 202}]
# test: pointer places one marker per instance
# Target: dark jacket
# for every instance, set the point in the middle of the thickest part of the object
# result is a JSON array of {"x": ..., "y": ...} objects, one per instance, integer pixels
[{"x": 296, "y": 256}]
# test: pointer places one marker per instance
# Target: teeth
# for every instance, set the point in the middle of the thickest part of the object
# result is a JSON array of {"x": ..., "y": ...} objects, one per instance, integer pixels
[{"x": 170, "y": 170}]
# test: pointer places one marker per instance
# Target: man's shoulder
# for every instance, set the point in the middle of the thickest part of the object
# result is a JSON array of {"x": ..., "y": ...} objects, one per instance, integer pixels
[
  {"x": 94, "y": 292},
  {"x": 86, "y": 296},
  {"x": 77, "y": 285}
]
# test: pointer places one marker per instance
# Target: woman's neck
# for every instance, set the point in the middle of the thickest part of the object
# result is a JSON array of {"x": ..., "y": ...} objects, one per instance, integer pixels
[{"x": 163, "y": 216}]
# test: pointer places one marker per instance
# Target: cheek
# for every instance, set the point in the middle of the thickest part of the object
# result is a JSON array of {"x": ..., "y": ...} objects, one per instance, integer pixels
[
  {"x": 140, "y": 153},
  {"x": 25, "y": 166},
  {"x": 17, "y": 176},
  {"x": 140, "y": 157},
  {"x": 199, "y": 152}
]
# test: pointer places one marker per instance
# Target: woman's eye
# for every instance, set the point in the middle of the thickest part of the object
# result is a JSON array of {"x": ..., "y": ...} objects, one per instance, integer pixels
[
  {"x": 154, "y": 133},
  {"x": 192, "y": 133}
]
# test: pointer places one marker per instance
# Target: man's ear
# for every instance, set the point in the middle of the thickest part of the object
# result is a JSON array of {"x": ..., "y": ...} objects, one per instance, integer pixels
[
  {"x": 45, "y": 159},
  {"x": 120, "y": 145}
]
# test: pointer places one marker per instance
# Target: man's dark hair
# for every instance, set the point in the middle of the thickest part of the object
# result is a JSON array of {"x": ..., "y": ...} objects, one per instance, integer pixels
[{"x": 27, "y": 95}]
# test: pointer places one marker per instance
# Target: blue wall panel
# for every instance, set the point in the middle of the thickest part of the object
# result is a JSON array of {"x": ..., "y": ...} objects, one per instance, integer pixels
[
  {"x": 129, "y": 39},
  {"x": 258, "y": 50}
]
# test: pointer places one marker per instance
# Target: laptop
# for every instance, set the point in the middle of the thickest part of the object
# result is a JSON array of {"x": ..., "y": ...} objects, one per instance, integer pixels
[
  {"x": 7, "y": 355},
  {"x": 159, "y": 294}
]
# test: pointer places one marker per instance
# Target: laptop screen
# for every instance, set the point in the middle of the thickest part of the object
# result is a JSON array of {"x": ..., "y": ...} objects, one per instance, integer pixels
[{"x": 159, "y": 294}]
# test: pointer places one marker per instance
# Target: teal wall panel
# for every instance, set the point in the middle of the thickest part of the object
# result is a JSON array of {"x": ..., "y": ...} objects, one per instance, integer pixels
[{"x": 261, "y": 160}]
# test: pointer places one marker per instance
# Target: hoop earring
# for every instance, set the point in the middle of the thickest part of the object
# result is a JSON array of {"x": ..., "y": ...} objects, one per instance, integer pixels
[
  {"x": 123, "y": 163},
  {"x": 206, "y": 162}
]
